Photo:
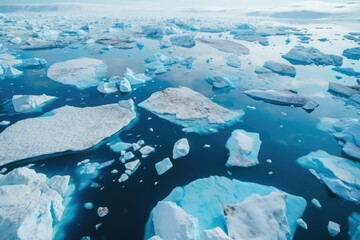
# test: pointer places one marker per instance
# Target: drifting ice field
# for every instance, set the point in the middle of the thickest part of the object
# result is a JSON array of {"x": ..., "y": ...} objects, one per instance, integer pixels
[{"x": 161, "y": 122}]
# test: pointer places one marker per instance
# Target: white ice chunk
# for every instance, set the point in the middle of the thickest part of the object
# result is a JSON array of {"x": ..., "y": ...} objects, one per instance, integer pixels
[
  {"x": 181, "y": 148},
  {"x": 23, "y": 103},
  {"x": 123, "y": 177},
  {"x": 305, "y": 56},
  {"x": 302, "y": 223},
  {"x": 214, "y": 234},
  {"x": 186, "y": 40},
  {"x": 354, "y": 226},
  {"x": 125, "y": 86},
  {"x": 163, "y": 166},
  {"x": 281, "y": 69},
  {"x": 333, "y": 228},
  {"x": 132, "y": 166},
  {"x": 146, "y": 150},
  {"x": 135, "y": 79},
  {"x": 316, "y": 203}
]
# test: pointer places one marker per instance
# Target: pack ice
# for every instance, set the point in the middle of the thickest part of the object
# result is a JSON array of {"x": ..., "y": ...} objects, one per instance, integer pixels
[
  {"x": 339, "y": 174},
  {"x": 80, "y": 72},
  {"x": 191, "y": 110},
  {"x": 31, "y": 205},
  {"x": 23, "y": 103},
  {"x": 241, "y": 210},
  {"x": 64, "y": 129}
]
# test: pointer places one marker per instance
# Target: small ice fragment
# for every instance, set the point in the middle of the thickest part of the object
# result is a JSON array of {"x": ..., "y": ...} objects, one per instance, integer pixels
[
  {"x": 181, "y": 148},
  {"x": 146, "y": 150},
  {"x": 123, "y": 177},
  {"x": 333, "y": 228},
  {"x": 163, "y": 166},
  {"x": 302, "y": 223},
  {"x": 88, "y": 205},
  {"x": 4, "y": 123},
  {"x": 316, "y": 203},
  {"x": 125, "y": 86}
]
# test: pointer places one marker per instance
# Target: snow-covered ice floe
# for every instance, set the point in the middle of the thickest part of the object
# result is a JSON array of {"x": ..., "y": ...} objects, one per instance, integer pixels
[
  {"x": 346, "y": 131},
  {"x": 24, "y": 103},
  {"x": 300, "y": 55},
  {"x": 243, "y": 149},
  {"x": 225, "y": 45},
  {"x": 189, "y": 212},
  {"x": 63, "y": 129},
  {"x": 282, "y": 97},
  {"x": 191, "y": 110},
  {"x": 339, "y": 174},
  {"x": 80, "y": 72},
  {"x": 186, "y": 40},
  {"x": 31, "y": 204}
]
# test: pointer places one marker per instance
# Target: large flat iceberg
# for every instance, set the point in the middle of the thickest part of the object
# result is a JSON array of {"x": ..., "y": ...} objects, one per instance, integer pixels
[
  {"x": 80, "y": 72},
  {"x": 64, "y": 129},
  {"x": 190, "y": 109},
  {"x": 31, "y": 205},
  {"x": 225, "y": 45},
  {"x": 203, "y": 201}
]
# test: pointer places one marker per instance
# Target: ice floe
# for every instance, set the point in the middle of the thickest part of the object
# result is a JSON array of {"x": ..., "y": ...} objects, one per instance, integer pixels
[
  {"x": 135, "y": 79},
  {"x": 225, "y": 45},
  {"x": 243, "y": 149},
  {"x": 31, "y": 204},
  {"x": 338, "y": 174},
  {"x": 281, "y": 69},
  {"x": 109, "y": 86},
  {"x": 54, "y": 131},
  {"x": 218, "y": 80},
  {"x": 163, "y": 166},
  {"x": 201, "y": 116},
  {"x": 215, "y": 234},
  {"x": 79, "y": 72},
  {"x": 346, "y": 91},
  {"x": 24, "y": 103},
  {"x": 233, "y": 61},
  {"x": 186, "y": 40},
  {"x": 300, "y": 55},
  {"x": 354, "y": 226},
  {"x": 352, "y": 53},
  {"x": 282, "y": 97},
  {"x": 181, "y": 148},
  {"x": 199, "y": 205},
  {"x": 333, "y": 228},
  {"x": 347, "y": 71}
]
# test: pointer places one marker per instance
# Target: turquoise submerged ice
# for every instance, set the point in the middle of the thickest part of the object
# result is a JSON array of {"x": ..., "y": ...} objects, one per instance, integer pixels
[
  {"x": 340, "y": 175},
  {"x": 190, "y": 109},
  {"x": 204, "y": 199}
]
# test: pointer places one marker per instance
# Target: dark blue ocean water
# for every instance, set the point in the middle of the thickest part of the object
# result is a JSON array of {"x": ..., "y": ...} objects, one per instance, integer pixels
[{"x": 131, "y": 202}]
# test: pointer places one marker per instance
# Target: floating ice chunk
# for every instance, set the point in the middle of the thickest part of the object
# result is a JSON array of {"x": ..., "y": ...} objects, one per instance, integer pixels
[
  {"x": 54, "y": 131},
  {"x": 80, "y": 72},
  {"x": 123, "y": 177},
  {"x": 102, "y": 211},
  {"x": 354, "y": 226},
  {"x": 109, "y": 86},
  {"x": 146, "y": 150},
  {"x": 262, "y": 70},
  {"x": 243, "y": 149},
  {"x": 172, "y": 222},
  {"x": 300, "y": 55},
  {"x": 281, "y": 69},
  {"x": 186, "y": 40},
  {"x": 38, "y": 44},
  {"x": 125, "y": 86},
  {"x": 268, "y": 219},
  {"x": 355, "y": 98},
  {"x": 120, "y": 146},
  {"x": 201, "y": 116},
  {"x": 34, "y": 62},
  {"x": 156, "y": 67},
  {"x": 135, "y": 79},
  {"x": 215, "y": 234},
  {"x": 282, "y": 97},
  {"x": 132, "y": 166},
  {"x": 7, "y": 71},
  {"x": 347, "y": 71},
  {"x": 15, "y": 40},
  {"x": 128, "y": 156},
  {"x": 23, "y": 103},
  {"x": 344, "y": 90},
  {"x": 181, "y": 148},
  {"x": 316, "y": 202},
  {"x": 233, "y": 61},
  {"x": 4, "y": 123},
  {"x": 152, "y": 31},
  {"x": 163, "y": 166},
  {"x": 29, "y": 205},
  {"x": 352, "y": 53},
  {"x": 121, "y": 43},
  {"x": 333, "y": 228},
  {"x": 88, "y": 205},
  {"x": 302, "y": 223},
  {"x": 184, "y": 25},
  {"x": 226, "y": 46},
  {"x": 338, "y": 174},
  {"x": 204, "y": 199},
  {"x": 218, "y": 80}
]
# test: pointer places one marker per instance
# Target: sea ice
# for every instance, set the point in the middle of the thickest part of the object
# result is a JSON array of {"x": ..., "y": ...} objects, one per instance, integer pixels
[
  {"x": 333, "y": 228},
  {"x": 163, "y": 166},
  {"x": 146, "y": 150},
  {"x": 135, "y": 79},
  {"x": 181, "y": 148},
  {"x": 338, "y": 174},
  {"x": 233, "y": 61},
  {"x": 7, "y": 71},
  {"x": 24, "y": 103},
  {"x": 102, "y": 211},
  {"x": 300, "y": 55},
  {"x": 225, "y": 45},
  {"x": 282, "y": 97},
  {"x": 80, "y": 72},
  {"x": 204, "y": 199},
  {"x": 347, "y": 71},
  {"x": 215, "y": 234},
  {"x": 200, "y": 116},
  {"x": 281, "y": 69},
  {"x": 346, "y": 91},
  {"x": 352, "y": 53},
  {"x": 31, "y": 204},
  {"x": 354, "y": 226},
  {"x": 186, "y": 40},
  {"x": 218, "y": 80},
  {"x": 33, "y": 63},
  {"x": 54, "y": 131},
  {"x": 38, "y": 44},
  {"x": 109, "y": 86},
  {"x": 243, "y": 149}
]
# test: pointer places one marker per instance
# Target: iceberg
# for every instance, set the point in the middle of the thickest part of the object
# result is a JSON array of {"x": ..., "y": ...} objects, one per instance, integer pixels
[
  {"x": 31, "y": 204},
  {"x": 54, "y": 131},
  {"x": 243, "y": 149},
  {"x": 347, "y": 71},
  {"x": 316, "y": 203},
  {"x": 225, "y": 45},
  {"x": 135, "y": 79},
  {"x": 125, "y": 86},
  {"x": 132, "y": 166},
  {"x": 25, "y": 103},
  {"x": 346, "y": 91},
  {"x": 181, "y": 148},
  {"x": 201, "y": 116},
  {"x": 7, "y": 71},
  {"x": 80, "y": 72},
  {"x": 152, "y": 31},
  {"x": 186, "y": 40},
  {"x": 333, "y": 228},
  {"x": 123, "y": 43},
  {"x": 282, "y": 97},
  {"x": 300, "y": 55},
  {"x": 163, "y": 166},
  {"x": 109, "y": 86},
  {"x": 39, "y": 44},
  {"x": 102, "y": 211},
  {"x": 302, "y": 223},
  {"x": 205, "y": 198},
  {"x": 354, "y": 226},
  {"x": 339, "y": 174},
  {"x": 33, "y": 63},
  {"x": 281, "y": 69},
  {"x": 218, "y": 80},
  {"x": 352, "y": 53},
  {"x": 146, "y": 150}
]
